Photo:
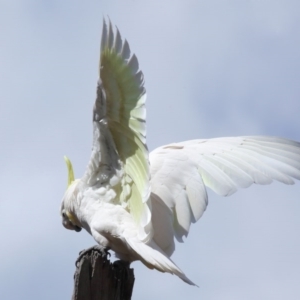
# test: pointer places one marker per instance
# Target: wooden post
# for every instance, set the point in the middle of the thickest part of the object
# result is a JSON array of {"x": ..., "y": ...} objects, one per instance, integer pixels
[{"x": 96, "y": 278}]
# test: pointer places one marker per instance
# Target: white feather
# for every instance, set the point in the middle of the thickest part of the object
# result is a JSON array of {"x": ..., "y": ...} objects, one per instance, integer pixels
[{"x": 225, "y": 164}]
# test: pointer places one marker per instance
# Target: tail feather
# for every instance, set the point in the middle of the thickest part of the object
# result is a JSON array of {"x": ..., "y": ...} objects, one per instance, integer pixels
[{"x": 153, "y": 257}]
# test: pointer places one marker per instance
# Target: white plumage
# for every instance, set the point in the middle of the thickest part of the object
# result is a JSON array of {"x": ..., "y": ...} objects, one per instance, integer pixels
[{"x": 136, "y": 205}]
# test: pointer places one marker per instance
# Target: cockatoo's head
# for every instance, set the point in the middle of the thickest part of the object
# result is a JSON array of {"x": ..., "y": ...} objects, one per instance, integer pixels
[{"x": 68, "y": 205}]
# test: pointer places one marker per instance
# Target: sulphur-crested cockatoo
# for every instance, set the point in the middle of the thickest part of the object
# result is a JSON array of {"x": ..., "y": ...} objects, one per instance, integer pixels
[{"x": 135, "y": 203}]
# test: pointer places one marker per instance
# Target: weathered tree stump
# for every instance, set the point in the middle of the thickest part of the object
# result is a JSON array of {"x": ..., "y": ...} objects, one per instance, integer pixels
[{"x": 96, "y": 278}]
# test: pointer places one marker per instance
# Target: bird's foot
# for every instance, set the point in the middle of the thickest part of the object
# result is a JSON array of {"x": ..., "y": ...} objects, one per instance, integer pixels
[{"x": 104, "y": 252}]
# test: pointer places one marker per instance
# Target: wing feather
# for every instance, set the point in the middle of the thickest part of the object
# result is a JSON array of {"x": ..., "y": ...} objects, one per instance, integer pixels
[
  {"x": 222, "y": 164},
  {"x": 120, "y": 115}
]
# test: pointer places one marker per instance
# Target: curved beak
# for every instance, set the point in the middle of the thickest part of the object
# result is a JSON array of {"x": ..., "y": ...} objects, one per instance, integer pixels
[{"x": 77, "y": 228}]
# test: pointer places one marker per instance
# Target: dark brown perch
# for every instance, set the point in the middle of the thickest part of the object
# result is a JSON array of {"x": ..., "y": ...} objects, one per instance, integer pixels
[{"x": 96, "y": 278}]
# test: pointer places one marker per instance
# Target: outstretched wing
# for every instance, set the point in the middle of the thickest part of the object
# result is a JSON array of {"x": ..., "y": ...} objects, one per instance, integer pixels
[
  {"x": 182, "y": 171},
  {"x": 120, "y": 154}
]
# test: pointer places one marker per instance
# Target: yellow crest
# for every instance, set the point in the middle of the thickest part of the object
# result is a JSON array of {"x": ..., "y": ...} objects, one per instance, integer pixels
[{"x": 70, "y": 171}]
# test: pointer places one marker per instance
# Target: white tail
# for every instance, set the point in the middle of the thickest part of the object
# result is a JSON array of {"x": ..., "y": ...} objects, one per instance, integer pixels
[{"x": 154, "y": 258}]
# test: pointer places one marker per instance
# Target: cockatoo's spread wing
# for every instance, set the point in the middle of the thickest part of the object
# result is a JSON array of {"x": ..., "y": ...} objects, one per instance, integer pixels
[
  {"x": 181, "y": 172},
  {"x": 119, "y": 155}
]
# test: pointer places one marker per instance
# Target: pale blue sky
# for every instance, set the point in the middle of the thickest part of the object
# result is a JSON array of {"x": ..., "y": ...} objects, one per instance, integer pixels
[{"x": 212, "y": 68}]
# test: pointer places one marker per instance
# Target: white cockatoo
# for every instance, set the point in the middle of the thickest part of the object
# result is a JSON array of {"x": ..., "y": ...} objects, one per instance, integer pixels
[{"x": 135, "y": 203}]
